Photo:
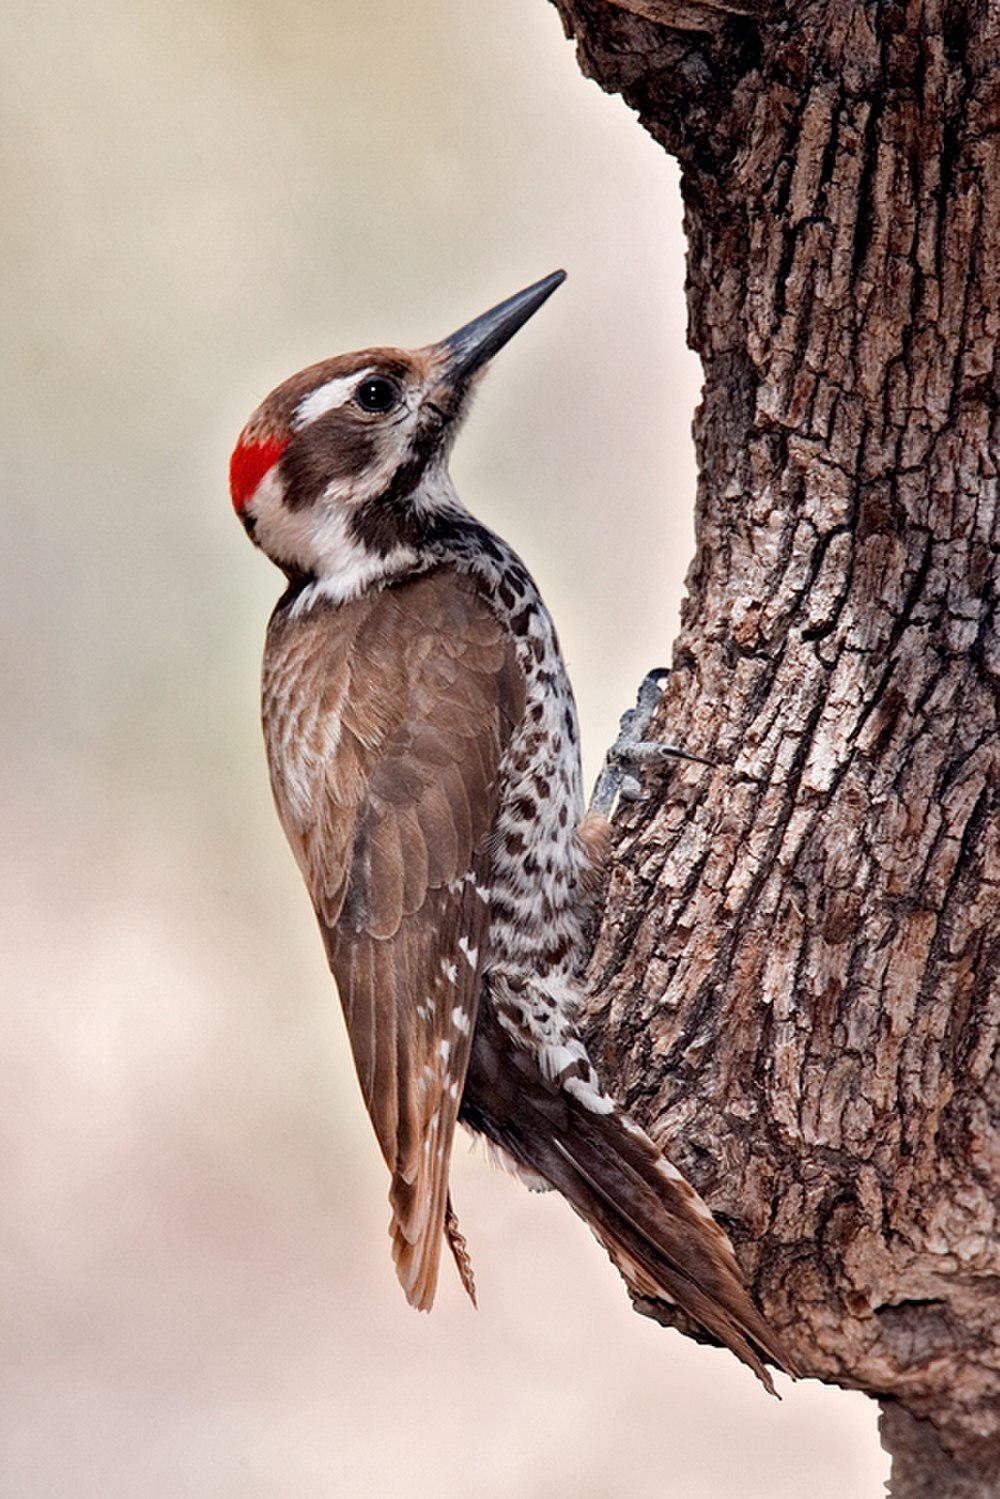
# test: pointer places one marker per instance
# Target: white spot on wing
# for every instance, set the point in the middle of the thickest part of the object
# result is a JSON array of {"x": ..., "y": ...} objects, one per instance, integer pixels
[
  {"x": 460, "y": 1020},
  {"x": 471, "y": 953}
]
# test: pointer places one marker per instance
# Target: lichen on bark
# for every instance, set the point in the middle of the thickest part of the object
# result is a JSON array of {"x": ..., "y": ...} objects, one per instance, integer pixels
[{"x": 795, "y": 984}]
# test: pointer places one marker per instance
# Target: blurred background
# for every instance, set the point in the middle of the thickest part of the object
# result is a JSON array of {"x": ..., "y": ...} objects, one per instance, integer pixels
[{"x": 195, "y": 1289}]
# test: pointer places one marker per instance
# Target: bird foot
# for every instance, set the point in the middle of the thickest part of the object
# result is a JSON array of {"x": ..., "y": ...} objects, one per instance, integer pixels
[{"x": 632, "y": 753}]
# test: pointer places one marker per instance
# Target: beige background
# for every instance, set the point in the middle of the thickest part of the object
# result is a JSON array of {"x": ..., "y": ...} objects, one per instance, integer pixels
[{"x": 195, "y": 1287}]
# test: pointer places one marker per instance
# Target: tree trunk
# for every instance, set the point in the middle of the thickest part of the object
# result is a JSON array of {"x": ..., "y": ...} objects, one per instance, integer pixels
[{"x": 794, "y": 984}]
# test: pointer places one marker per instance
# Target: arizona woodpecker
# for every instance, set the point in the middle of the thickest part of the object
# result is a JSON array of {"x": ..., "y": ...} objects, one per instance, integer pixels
[{"x": 424, "y": 755}]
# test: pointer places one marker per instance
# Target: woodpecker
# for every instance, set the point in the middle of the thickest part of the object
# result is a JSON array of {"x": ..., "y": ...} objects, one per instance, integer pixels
[{"x": 422, "y": 741}]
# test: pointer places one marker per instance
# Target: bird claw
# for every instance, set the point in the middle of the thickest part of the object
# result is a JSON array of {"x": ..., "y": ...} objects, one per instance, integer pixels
[
  {"x": 631, "y": 752},
  {"x": 630, "y": 789}
]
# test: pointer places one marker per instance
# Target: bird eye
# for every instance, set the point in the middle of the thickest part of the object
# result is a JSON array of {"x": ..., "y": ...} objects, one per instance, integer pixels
[{"x": 377, "y": 394}]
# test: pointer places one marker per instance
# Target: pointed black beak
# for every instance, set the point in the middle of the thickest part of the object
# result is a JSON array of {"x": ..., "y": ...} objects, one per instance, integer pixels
[{"x": 466, "y": 351}]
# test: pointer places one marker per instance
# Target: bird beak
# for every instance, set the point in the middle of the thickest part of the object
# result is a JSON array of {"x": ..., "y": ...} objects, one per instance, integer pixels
[{"x": 466, "y": 351}]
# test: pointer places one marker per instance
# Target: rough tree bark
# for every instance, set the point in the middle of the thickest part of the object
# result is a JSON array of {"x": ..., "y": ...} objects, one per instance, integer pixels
[{"x": 795, "y": 981}]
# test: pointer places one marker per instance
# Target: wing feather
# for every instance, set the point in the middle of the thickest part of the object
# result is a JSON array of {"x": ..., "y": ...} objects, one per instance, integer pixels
[{"x": 386, "y": 722}]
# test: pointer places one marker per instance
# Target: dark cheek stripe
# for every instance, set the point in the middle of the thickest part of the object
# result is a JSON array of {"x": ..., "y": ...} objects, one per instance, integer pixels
[
  {"x": 337, "y": 448},
  {"x": 387, "y": 520},
  {"x": 330, "y": 450}
]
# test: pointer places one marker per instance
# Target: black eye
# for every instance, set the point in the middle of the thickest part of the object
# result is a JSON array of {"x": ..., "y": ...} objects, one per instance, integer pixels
[{"x": 377, "y": 394}]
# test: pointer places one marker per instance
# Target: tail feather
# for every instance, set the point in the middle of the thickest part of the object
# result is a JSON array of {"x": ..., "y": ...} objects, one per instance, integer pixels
[
  {"x": 656, "y": 1229},
  {"x": 417, "y": 1253},
  {"x": 460, "y": 1250}
]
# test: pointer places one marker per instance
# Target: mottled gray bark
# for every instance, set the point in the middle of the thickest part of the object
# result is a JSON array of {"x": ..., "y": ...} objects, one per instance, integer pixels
[{"x": 795, "y": 982}]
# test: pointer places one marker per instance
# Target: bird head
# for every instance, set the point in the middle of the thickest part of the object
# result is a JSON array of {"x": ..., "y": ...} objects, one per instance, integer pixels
[{"x": 339, "y": 474}]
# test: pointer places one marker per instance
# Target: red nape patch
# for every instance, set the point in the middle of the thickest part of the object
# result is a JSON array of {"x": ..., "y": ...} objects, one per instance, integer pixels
[{"x": 248, "y": 465}]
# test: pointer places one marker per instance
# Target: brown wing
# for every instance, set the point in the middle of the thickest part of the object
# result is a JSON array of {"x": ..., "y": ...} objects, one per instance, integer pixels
[{"x": 386, "y": 720}]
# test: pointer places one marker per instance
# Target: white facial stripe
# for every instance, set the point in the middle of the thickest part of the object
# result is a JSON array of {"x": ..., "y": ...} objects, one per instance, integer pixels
[{"x": 326, "y": 397}]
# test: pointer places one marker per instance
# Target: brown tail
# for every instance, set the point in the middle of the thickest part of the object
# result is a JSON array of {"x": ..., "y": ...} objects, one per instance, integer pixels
[
  {"x": 658, "y": 1232},
  {"x": 460, "y": 1250}
]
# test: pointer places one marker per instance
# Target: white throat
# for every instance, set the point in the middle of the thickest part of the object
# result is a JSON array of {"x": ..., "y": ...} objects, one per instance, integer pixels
[{"x": 321, "y": 539}]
